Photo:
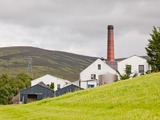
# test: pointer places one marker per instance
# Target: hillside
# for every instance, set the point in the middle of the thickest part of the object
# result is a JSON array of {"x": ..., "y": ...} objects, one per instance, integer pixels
[
  {"x": 65, "y": 65},
  {"x": 133, "y": 99}
]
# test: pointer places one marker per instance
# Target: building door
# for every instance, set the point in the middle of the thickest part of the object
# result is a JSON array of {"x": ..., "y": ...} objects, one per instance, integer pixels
[{"x": 31, "y": 98}]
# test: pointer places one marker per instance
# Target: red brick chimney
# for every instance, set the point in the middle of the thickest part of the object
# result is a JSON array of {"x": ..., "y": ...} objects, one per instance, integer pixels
[{"x": 110, "y": 47}]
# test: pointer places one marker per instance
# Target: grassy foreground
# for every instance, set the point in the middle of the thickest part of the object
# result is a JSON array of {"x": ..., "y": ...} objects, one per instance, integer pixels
[{"x": 134, "y": 99}]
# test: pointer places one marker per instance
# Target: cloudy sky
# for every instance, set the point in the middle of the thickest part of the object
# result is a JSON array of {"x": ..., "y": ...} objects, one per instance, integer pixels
[{"x": 79, "y": 26}]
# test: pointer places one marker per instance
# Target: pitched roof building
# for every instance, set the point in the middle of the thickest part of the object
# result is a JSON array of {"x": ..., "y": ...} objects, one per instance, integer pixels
[
  {"x": 67, "y": 89},
  {"x": 48, "y": 79},
  {"x": 34, "y": 93}
]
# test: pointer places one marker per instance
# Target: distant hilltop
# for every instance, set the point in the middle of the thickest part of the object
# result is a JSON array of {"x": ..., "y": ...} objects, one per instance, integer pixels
[{"x": 65, "y": 65}]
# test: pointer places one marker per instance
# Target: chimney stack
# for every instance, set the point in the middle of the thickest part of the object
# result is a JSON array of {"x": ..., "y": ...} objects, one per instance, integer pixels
[{"x": 110, "y": 47}]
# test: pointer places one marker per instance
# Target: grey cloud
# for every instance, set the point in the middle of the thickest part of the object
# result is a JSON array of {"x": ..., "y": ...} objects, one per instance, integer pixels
[{"x": 79, "y": 26}]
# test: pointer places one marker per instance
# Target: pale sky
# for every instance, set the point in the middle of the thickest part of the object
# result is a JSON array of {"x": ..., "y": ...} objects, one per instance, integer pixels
[{"x": 79, "y": 26}]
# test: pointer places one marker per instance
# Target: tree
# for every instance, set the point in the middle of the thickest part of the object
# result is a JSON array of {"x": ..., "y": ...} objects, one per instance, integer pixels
[
  {"x": 10, "y": 86},
  {"x": 153, "y": 50},
  {"x": 24, "y": 78},
  {"x": 3, "y": 96},
  {"x": 127, "y": 73},
  {"x": 52, "y": 86}
]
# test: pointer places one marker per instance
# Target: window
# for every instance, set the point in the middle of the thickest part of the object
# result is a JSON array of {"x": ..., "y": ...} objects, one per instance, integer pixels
[
  {"x": 90, "y": 86},
  {"x": 99, "y": 66},
  {"x": 93, "y": 76},
  {"x": 128, "y": 69},
  {"x": 141, "y": 68},
  {"x": 58, "y": 86}
]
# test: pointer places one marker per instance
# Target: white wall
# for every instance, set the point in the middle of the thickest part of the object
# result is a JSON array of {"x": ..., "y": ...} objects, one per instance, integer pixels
[
  {"x": 93, "y": 69},
  {"x": 48, "y": 79},
  {"x": 134, "y": 61}
]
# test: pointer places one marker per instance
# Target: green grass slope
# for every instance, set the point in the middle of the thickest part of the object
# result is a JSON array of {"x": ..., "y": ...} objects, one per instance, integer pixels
[
  {"x": 14, "y": 60},
  {"x": 134, "y": 99}
]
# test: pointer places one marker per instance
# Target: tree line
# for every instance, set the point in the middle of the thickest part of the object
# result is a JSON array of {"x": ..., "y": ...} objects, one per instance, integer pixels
[{"x": 10, "y": 86}]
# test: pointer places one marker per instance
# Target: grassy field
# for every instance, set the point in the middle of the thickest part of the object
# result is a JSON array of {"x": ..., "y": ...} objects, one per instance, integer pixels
[{"x": 134, "y": 99}]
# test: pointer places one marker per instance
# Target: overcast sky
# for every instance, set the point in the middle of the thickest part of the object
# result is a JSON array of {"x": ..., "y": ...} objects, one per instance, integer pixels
[{"x": 79, "y": 26}]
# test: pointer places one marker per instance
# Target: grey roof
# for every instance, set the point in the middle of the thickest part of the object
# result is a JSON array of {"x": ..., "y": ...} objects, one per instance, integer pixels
[
  {"x": 146, "y": 57},
  {"x": 114, "y": 64},
  {"x": 43, "y": 85},
  {"x": 120, "y": 59},
  {"x": 70, "y": 88}
]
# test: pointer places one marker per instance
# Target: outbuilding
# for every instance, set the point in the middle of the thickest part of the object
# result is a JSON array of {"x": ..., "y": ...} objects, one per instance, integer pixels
[
  {"x": 67, "y": 89},
  {"x": 34, "y": 93}
]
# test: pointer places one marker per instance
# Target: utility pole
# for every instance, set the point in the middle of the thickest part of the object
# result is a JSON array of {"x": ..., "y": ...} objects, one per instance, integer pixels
[{"x": 30, "y": 69}]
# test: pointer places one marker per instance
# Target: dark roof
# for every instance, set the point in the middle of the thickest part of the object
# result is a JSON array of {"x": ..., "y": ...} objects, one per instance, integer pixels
[
  {"x": 43, "y": 85},
  {"x": 120, "y": 59},
  {"x": 67, "y": 89},
  {"x": 146, "y": 57}
]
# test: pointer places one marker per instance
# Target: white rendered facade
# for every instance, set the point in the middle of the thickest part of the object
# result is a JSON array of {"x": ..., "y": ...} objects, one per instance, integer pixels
[
  {"x": 89, "y": 77},
  {"x": 138, "y": 65}
]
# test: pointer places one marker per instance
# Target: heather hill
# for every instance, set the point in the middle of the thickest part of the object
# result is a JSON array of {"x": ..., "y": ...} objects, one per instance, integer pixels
[{"x": 14, "y": 60}]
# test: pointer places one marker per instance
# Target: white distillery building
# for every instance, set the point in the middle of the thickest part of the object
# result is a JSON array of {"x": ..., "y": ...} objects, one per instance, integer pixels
[
  {"x": 48, "y": 79},
  {"x": 138, "y": 65},
  {"x": 101, "y": 72},
  {"x": 104, "y": 71},
  {"x": 96, "y": 74}
]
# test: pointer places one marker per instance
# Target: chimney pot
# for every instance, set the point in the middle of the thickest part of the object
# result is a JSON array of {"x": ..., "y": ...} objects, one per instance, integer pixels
[{"x": 110, "y": 27}]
